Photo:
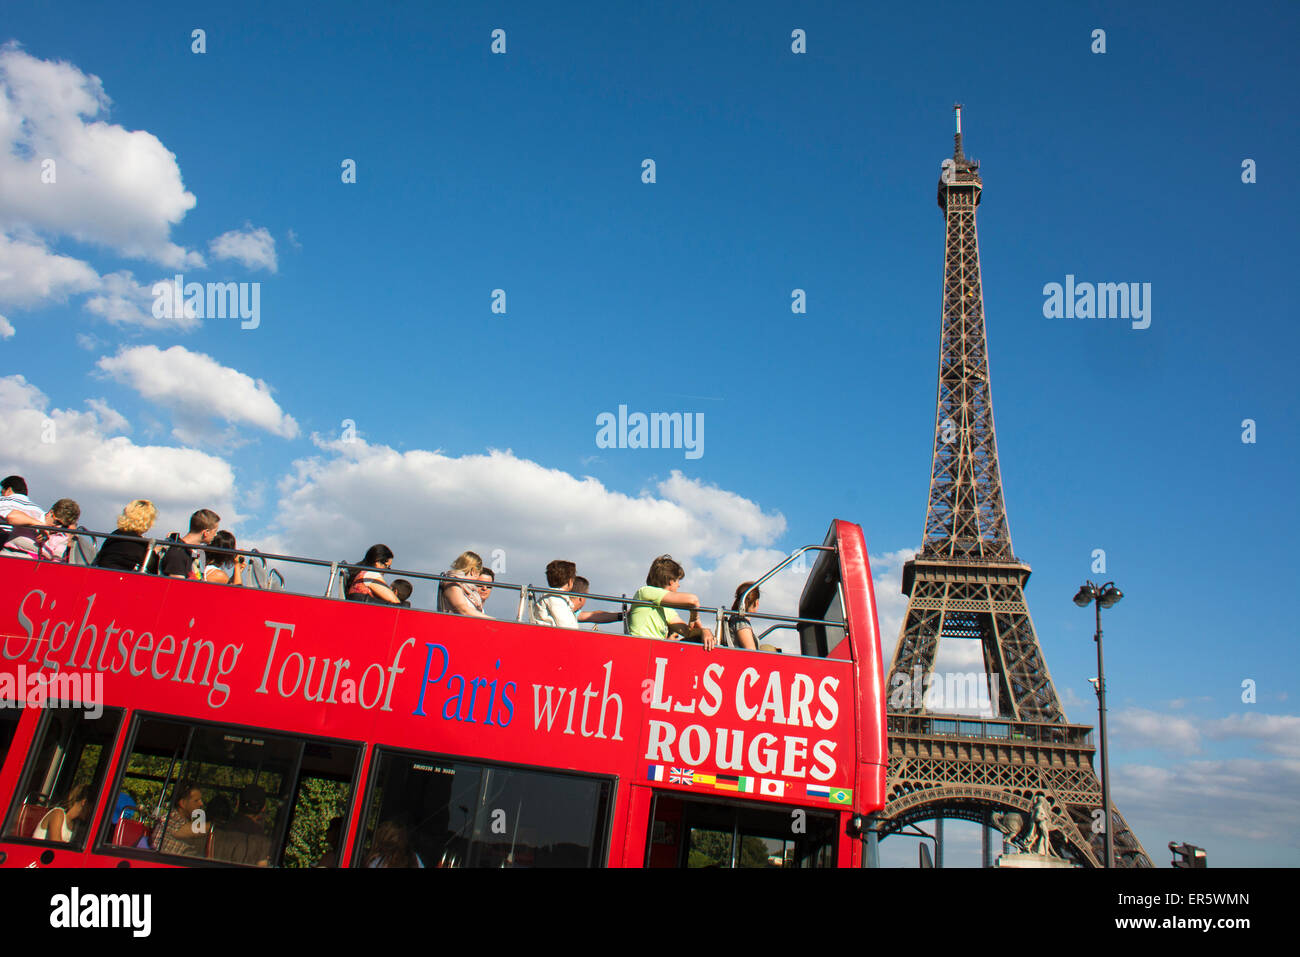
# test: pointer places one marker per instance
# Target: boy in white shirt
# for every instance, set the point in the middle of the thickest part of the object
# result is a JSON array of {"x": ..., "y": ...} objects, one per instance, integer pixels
[{"x": 555, "y": 609}]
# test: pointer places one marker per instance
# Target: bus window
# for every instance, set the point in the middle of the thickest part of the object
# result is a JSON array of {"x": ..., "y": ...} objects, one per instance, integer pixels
[
  {"x": 427, "y": 811},
  {"x": 225, "y": 793},
  {"x": 9, "y": 718},
  {"x": 68, "y": 760},
  {"x": 690, "y": 833}
]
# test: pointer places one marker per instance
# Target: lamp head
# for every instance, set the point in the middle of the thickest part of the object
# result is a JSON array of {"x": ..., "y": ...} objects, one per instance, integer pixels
[
  {"x": 1110, "y": 595},
  {"x": 1085, "y": 596}
]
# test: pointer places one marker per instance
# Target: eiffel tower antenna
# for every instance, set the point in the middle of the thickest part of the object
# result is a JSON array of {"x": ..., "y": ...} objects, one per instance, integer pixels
[{"x": 967, "y": 583}]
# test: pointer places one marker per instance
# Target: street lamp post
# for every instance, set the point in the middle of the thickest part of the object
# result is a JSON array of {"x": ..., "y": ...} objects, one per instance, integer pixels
[{"x": 1103, "y": 597}]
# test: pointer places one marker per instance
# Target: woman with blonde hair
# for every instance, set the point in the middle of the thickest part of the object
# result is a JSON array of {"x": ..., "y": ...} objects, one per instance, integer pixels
[
  {"x": 461, "y": 595},
  {"x": 126, "y": 548}
]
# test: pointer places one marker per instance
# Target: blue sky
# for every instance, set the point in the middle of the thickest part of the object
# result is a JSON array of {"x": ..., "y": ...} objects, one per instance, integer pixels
[{"x": 774, "y": 172}]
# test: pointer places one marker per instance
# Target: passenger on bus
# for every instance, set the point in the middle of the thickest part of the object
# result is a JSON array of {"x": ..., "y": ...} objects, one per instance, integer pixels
[
  {"x": 56, "y": 825},
  {"x": 579, "y": 598},
  {"x": 556, "y": 609},
  {"x": 48, "y": 546},
  {"x": 391, "y": 847},
  {"x": 126, "y": 548},
  {"x": 365, "y": 584},
  {"x": 125, "y": 807},
  {"x": 402, "y": 589},
  {"x": 223, "y": 569},
  {"x": 184, "y": 832},
  {"x": 488, "y": 578},
  {"x": 179, "y": 561},
  {"x": 742, "y": 632},
  {"x": 333, "y": 844},
  {"x": 460, "y": 594},
  {"x": 659, "y": 620},
  {"x": 244, "y": 840}
]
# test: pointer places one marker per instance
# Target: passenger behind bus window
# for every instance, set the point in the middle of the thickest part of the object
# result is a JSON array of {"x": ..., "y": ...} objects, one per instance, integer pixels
[
  {"x": 243, "y": 840},
  {"x": 223, "y": 569},
  {"x": 659, "y": 620},
  {"x": 555, "y": 609},
  {"x": 126, "y": 548},
  {"x": 402, "y": 589},
  {"x": 183, "y": 832},
  {"x": 579, "y": 598},
  {"x": 333, "y": 844},
  {"x": 461, "y": 594},
  {"x": 742, "y": 632},
  {"x": 179, "y": 561},
  {"x": 367, "y": 584},
  {"x": 125, "y": 807},
  {"x": 29, "y": 543},
  {"x": 57, "y": 823},
  {"x": 391, "y": 847}
]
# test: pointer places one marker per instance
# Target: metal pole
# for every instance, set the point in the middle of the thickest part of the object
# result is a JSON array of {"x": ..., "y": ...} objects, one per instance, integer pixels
[{"x": 1105, "y": 767}]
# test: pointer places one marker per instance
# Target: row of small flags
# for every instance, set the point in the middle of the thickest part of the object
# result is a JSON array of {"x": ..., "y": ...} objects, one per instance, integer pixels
[{"x": 742, "y": 784}]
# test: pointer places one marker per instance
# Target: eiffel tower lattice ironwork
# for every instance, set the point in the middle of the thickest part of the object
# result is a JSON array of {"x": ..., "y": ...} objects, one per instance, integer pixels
[{"x": 966, "y": 582}]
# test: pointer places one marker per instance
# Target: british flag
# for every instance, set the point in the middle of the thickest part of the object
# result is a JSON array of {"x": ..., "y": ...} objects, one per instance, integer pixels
[{"x": 681, "y": 776}]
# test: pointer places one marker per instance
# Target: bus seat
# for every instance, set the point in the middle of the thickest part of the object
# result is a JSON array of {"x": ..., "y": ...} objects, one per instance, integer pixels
[
  {"x": 29, "y": 815},
  {"x": 128, "y": 832}
]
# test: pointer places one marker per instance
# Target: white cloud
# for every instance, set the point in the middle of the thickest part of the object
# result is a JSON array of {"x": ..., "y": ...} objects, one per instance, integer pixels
[
  {"x": 6, "y": 328},
  {"x": 1139, "y": 728},
  {"x": 31, "y": 274},
  {"x": 117, "y": 188},
  {"x": 123, "y": 300},
  {"x": 255, "y": 248},
  {"x": 428, "y": 507},
  {"x": 197, "y": 389},
  {"x": 110, "y": 420},
  {"x": 104, "y": 473},
  {"x": 1276, "y": 733}
]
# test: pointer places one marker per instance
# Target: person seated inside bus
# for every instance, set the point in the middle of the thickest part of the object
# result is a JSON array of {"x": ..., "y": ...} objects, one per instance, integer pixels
[
  {"x": 220, "y": 568},
  {"x": 402, "y": 589},
  {"x": 179, "y": 561},
  {"x": 185, "y": 831},
  {"x": 487, "y": 578},
  {"x": 659, "y": 620},
  {"x": 126, "y": 548},
  {"x": 367, "y": 584},
  {"x": 125, "y": 807},
  {"x": 391, "y": 847},
  {"x": 57, "y": 823},
  {"x": 579, "y": 598},
  {"x": 555, "y": 609},
  {"x": 30, "y": 543},
  {"x": 460, "y": 593},
  {"x": 243, "y": 840}
]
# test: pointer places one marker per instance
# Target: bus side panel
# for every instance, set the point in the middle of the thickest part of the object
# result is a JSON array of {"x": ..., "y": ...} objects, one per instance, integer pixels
[{"x": 636, "y": 826}]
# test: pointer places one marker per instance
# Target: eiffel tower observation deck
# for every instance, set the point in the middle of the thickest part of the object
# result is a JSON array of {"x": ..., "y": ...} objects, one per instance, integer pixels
[{"x": 966, "y": 582}]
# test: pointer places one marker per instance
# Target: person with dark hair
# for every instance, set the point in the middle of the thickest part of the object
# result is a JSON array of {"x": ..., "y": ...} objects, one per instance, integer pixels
[
  {"x": 366, "y": 584},
  {"x": 555, "y": 609},
  {"x": 17, "y": 509},
  {"x": 13, "y": 485},
  {"x": 223, "y": 569},
  {"x": 185, "y": 831},
  {"x": 659, "y": 620},
  {"x": 30, "y": 543},
  {"x": 488, "y": 577},
  {"x": 244, "y": 840},
  {"x": 126, "y": 549},
  {"x": 391, "y": 847},
  {"x": 738, "y": 626},
  {"x": 179, "y": 561},
  {"x": 333, "y": 844},
  {"x": 579, "y": 598},
  {"x": 56, "y": 825},
  {"x": 402, "y": 589}
]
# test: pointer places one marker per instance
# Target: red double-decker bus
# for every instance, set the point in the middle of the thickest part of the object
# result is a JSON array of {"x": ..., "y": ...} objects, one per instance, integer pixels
[{"x": 162, "y": 716}]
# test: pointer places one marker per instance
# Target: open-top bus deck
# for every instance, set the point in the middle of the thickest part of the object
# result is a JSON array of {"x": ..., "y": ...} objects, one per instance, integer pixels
[{"x": 384, "y": 735}]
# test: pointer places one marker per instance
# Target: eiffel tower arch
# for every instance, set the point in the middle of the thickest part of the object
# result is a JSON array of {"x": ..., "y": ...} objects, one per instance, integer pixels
[{"x": 967, "y": 583}]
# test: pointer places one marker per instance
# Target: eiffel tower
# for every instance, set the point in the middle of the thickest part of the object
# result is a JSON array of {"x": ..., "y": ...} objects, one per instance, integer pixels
[{"x": 966, "y": 582}]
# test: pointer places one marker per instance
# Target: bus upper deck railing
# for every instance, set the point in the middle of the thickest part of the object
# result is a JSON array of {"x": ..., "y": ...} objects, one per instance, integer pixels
[{"x": 271, "y": 579}]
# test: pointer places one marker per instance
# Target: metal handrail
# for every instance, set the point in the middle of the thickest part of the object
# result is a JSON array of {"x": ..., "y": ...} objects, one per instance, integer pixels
[{"x": 792, "y": 556}]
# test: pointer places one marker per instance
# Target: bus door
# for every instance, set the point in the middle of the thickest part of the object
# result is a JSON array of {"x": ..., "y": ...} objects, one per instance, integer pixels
[{"x": 697, "y": 832}]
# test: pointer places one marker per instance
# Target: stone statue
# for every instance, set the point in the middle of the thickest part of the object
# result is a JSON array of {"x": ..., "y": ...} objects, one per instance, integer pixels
[{"x": 1040, "y": 828}]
